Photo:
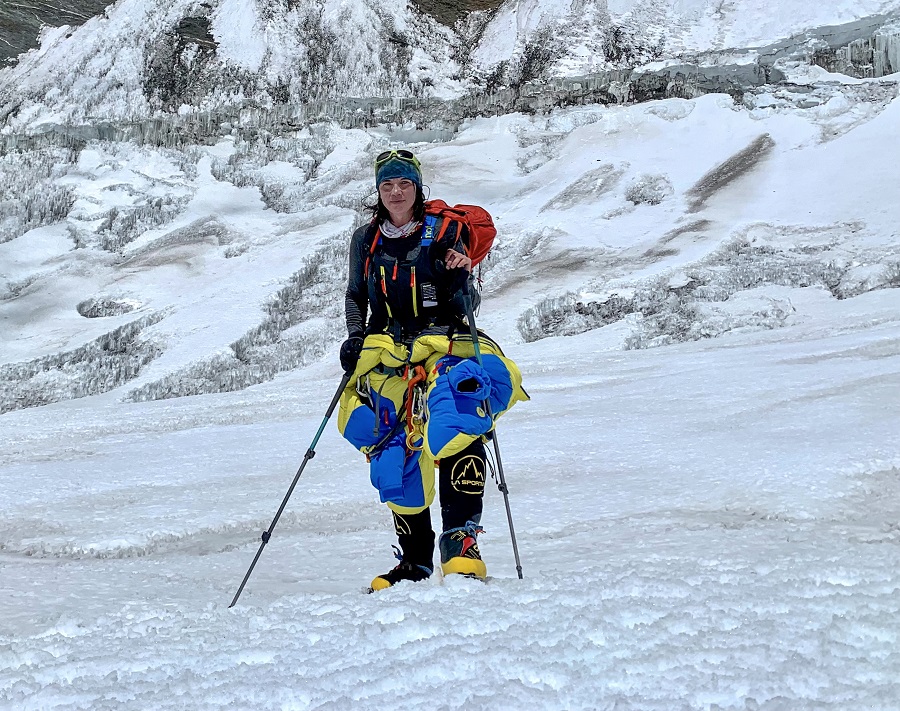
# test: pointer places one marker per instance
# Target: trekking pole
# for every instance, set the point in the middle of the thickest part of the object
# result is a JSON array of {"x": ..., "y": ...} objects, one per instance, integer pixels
[
  {"x": 310, "y": 453},
  {"x": 504, "y": 489}
]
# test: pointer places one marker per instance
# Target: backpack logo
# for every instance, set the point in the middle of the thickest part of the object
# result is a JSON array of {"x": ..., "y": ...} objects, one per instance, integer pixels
[{"x": 428, "y": 233}]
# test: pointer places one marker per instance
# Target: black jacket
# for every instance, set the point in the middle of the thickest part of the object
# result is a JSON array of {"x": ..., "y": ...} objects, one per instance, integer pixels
[{"x": 403, "y": 285}]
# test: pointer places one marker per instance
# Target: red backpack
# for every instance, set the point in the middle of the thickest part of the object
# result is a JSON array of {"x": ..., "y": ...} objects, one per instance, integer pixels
[{"x": 476, "y": 219}]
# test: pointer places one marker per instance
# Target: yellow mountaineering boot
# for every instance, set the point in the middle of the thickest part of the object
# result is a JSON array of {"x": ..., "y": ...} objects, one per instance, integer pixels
[
  {"x": 459, "y": 551},
  {"x": 416, "y": 538},
  {"x": 404, "y": 571}
]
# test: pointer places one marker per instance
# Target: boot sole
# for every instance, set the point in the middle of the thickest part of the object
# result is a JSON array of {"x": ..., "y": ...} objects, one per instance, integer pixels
[{"x": 380, "y": 583}]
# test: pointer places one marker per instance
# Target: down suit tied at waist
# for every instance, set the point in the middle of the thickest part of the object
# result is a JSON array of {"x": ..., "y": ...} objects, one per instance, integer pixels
[{"x": 407, "y": 407}]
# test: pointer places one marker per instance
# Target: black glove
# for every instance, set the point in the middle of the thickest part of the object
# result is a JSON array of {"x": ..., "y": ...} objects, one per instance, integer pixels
[{"x": 350, "y": 350}]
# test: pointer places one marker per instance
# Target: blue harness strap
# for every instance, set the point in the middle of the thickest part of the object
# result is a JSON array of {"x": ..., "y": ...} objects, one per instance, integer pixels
[{"x": 428, "y": 234}]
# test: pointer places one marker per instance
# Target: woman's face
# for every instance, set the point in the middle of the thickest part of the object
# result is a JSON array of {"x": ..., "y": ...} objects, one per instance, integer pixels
[{"x": 398, "y": 195}]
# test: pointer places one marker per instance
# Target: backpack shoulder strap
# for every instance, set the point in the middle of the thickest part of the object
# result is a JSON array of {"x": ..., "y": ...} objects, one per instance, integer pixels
[
  {"x": 376, "y": 239},
  {"x": 436, "y": 227},
  {"x": 444, "y": 226}
]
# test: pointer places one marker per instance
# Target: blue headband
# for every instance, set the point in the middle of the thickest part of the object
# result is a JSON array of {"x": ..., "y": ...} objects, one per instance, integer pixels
[{"x": 396, "y": 168}]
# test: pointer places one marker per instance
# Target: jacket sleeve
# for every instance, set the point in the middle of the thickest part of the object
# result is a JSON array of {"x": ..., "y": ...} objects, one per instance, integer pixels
[{"x": 356, "y": 298}]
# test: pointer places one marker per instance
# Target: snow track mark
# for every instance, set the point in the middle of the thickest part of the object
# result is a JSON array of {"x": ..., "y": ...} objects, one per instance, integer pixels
[{"x": 730, "y": 170}]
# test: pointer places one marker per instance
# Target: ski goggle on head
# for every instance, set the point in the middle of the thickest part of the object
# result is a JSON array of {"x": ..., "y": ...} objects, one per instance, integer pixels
[{"x": 401, "y": 154}]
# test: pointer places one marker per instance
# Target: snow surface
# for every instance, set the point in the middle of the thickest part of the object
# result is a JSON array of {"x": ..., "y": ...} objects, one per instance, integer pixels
[
  {"x": 712, "y": 524},
  {"x": 703, "y": 299}
]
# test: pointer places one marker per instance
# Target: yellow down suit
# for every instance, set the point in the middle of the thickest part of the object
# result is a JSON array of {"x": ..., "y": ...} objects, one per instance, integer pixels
[{"x": 408, "y": 406}]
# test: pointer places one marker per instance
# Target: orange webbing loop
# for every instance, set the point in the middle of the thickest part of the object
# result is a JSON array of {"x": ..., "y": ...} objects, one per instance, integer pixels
[
  {"x": 413, "y": 419},
  {"x": 375, "y": 241}
]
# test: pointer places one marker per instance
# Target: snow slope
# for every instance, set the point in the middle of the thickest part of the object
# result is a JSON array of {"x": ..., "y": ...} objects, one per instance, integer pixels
[
  {"x": 711, "y": 525},
  {"x": 706, "y": 524},
  {"x": 139, "y": 60},
  {"x": 684, "y": 26},
  {"x": 710, "y": 24}
]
